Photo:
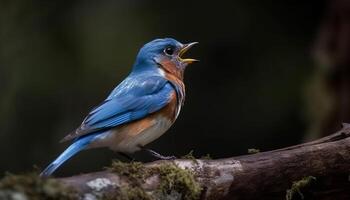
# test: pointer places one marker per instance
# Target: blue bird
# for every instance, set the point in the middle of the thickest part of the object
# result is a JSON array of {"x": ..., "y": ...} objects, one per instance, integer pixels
[{"x": 140, "y": 109}]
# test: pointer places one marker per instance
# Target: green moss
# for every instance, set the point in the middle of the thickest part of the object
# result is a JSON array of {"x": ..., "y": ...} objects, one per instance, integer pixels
[
  {"x": 175, "y": 183},
  {"x": 135, "y": 193},
  {"x": 31, "y": 186},
  {"x": 173, "y": 178},
  {"x": 128, "y": 193},
  {"x": 135, "y": 171},
  {"x": 253, "y": 151},
  {"x": 189, "y": 156},
  {"x": 297, "y": 186}
]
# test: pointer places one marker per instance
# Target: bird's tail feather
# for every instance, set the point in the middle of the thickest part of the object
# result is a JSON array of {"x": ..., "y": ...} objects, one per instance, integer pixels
[{"x": 73, "y": 149}]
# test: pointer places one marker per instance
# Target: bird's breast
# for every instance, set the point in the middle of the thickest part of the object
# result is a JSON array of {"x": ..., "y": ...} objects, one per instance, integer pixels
[{"x": 172, "y": 109}]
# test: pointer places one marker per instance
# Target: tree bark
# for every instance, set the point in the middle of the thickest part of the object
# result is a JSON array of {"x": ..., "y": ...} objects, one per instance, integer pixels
[{"x": 266, "y": 175}]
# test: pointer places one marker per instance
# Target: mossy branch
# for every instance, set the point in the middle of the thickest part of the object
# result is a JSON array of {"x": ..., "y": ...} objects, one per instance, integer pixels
[
  {"x": 314, "y": 170},
  {"x": 265, "y": 175}
]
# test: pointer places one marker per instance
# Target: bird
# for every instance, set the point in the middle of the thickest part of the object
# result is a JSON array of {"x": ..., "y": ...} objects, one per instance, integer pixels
[{"x": 138, "y": 110}]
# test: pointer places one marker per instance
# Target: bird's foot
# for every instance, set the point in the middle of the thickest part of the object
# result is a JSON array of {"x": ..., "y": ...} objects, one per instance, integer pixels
[
  {"x": 158, "y": 155},
  {"x": 161, "y": 157}
]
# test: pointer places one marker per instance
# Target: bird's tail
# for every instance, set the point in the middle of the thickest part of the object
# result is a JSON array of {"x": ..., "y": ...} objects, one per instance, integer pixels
[{"x": 73, "y": 149}]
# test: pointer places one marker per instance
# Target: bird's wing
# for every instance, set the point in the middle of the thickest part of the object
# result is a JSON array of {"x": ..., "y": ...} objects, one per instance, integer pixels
[{"x": 135, "y": 99}]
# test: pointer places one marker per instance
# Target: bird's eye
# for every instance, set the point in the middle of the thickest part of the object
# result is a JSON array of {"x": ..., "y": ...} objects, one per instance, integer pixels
[{"x": 169, "y": 51}]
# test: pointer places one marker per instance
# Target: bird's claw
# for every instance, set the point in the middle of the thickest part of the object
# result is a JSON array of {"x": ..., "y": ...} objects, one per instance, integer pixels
[
  {"x": 159, "y": 156},
  {"x": 167, "y": 157}
]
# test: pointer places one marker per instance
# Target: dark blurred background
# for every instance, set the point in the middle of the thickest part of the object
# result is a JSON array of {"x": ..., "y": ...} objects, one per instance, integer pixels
[{"x": 251, "y": 89}]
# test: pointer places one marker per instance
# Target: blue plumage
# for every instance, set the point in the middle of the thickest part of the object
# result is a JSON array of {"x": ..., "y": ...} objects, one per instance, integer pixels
[
  {"x": 146, "y": 90},
  {"x": 134, "y": 99},
  {"x": 120, "y": 110},
  {"x": 74, "y": 148}
]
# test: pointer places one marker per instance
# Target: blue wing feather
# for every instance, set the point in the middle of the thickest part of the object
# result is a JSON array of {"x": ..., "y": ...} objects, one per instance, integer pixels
[
  {"x": 133, "y": 99},
  {"x": 115, "y": 113}
]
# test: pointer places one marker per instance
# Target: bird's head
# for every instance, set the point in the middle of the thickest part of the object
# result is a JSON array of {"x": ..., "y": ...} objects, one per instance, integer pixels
[{"x": 166, "y": 54}]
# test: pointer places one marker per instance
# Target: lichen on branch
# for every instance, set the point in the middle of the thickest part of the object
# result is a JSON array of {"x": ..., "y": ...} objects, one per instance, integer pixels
[{"x": 31, "y": 186}]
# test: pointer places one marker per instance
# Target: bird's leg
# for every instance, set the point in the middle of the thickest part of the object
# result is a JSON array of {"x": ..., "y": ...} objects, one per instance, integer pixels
[
  {"x": 157, "y": 155},
  {"x": 129, "y": 158}
]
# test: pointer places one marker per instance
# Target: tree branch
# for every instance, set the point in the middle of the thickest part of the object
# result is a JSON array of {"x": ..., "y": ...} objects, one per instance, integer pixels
[{"x": 265, "y": 175}]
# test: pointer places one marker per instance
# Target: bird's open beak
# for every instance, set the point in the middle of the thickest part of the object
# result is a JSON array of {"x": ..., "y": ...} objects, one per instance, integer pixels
[{"x": 183, "y": 50}]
